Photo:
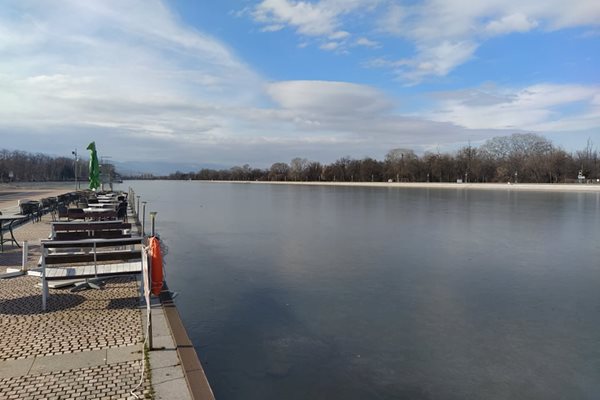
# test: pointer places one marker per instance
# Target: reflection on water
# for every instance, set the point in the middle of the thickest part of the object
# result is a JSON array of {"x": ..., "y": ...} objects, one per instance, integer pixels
[{"x": 371, "y": 293}]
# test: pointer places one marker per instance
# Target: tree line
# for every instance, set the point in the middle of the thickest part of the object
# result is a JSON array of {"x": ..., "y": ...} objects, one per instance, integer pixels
[
  {"x": 21, "y": 166},
  {"x": 514, "y": 158}
]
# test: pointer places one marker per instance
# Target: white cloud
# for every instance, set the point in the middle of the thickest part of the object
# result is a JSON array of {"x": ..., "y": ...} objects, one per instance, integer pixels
[
  {"x": 320, "y": 19},
  {"x": 541, "y": 108},
  {"x": 330, "y": 46},
  {"x": 308, "y": 18},
  {"x": 330, "y": 98},
  {"x": 510, "y": 23},
  {"x": 436, "y": 60},
  {"x": 339, "y": 35},
  {"x": 273, "y": 28},
  {"x": 436, "y": 28},
  {"x": 366, "y": 42}
]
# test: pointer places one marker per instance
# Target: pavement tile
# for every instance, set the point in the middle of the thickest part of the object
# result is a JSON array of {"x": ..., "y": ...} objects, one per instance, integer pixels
[
  {"x": 163, "y": 342},
  {"x": 160, "y": 326},
  {"x": 61, "y": 362},
  {"x": 15, "y": 367},
  {"x": 77, "y": 383},
  {"x": 163, "y": 358},
  {"x": 166, "y": 374},
  {"x": 122, "y": 354},
  {"x": 170, "y": 390}
]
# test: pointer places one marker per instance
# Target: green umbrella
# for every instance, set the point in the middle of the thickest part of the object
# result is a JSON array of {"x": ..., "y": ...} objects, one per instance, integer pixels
[{"x": 94, "y": 167}]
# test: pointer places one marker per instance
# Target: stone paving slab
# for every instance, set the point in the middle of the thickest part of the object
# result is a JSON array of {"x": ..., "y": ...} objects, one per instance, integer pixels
[
  {"x": 13, "y": 368},
  {"x": 82, "y": 321},
  {"x": 94, "y": 358},
  {"x": 113, "y": 381}
]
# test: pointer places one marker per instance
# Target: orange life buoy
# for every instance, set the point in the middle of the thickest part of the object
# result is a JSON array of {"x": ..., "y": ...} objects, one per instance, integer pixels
[{"x": 157, "y": 266}]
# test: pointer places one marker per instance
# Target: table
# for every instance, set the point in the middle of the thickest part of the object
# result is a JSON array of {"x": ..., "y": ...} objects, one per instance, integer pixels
[
  {"x": 98, "y": 213},
  {"x": 11, "y": 219},
  {"x": 105, "y": 206}
]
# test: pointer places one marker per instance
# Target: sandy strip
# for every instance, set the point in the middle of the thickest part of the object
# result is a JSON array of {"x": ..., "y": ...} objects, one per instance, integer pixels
[
  {"x": 540, "y": 187},
  {"x": 11, "y": 194}
]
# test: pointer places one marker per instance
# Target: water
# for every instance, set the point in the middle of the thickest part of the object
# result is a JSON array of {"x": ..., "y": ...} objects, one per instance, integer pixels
[{"x": 295, "y": 292}]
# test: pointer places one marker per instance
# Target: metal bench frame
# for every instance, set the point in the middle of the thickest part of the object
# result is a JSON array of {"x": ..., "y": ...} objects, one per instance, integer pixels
[{"x": 93, "y": 261}]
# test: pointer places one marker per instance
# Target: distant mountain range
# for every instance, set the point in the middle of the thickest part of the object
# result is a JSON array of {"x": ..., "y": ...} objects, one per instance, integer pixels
[{"x": 161, "y": 168}]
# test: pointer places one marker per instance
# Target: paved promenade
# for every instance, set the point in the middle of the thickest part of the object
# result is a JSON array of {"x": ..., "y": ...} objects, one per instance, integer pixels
[{"x": 87, "y": 346}]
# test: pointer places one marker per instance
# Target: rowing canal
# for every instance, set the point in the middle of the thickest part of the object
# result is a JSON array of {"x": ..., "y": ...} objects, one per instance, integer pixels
[{"x": 297, "y": 292}]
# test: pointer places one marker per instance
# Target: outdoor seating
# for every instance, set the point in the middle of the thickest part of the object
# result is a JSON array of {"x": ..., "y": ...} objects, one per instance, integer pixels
[
  {"x": 75, "y": 213},
  {"x": 91, "y": 258},
  {"x": 100, "y": 214},
  {"x": 6, "y": 226},
  {"x": 63, "y": 211},
  {"x": 31, "y": 209},
  {"x": 48, "y": 205},
  {"x": 122, "y": 211},
  {"x": 76, "y": 230}
]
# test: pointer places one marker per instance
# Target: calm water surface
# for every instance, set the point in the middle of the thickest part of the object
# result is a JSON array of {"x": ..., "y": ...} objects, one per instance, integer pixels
[{"x": 293, "y": 292}]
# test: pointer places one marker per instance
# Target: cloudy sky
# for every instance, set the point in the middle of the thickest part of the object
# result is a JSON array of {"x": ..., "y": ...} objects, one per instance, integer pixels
[{"x": 233, "y": 82}]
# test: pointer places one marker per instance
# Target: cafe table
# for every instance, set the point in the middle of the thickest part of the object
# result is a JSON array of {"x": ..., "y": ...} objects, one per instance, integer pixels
[{"x": 6, "y": 224}]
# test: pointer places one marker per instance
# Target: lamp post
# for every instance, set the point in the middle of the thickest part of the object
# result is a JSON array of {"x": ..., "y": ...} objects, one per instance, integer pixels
[
  {"x": 144, "y": 218},
  {"x": 76, "y": 165},
  {"x": 138, "y": 208}
]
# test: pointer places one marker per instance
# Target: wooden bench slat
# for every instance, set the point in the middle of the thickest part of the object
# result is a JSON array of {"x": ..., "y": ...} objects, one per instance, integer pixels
[
  {"x": 89, "y": 243},
  {"x": 84, "y": 272},
  {"x": 53, "y": 259},
  {"x": 76, "y": 235},
  {"x": 89, "y": 226}
]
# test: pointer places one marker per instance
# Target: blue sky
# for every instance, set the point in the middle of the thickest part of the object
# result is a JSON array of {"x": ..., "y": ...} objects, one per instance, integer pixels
[{"x": 234, "y": 82}]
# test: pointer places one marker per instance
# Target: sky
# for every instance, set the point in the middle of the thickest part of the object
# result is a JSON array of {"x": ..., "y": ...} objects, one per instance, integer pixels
[{"x": 235, "y": 82}]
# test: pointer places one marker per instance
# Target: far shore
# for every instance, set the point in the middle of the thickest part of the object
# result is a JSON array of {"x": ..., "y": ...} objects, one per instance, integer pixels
[{"x": 539, "y": 187}]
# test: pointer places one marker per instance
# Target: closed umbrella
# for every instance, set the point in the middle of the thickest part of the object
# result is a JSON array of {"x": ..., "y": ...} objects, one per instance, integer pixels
[{"x": 94, "y": 167}]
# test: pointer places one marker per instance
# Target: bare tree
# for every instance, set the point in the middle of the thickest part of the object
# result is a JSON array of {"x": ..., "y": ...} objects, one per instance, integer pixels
[
  {"x": 396, "y": 162},
  {"x": 297, "y": 168},
  {"x": 587, "y": 160},
  {"x": 279, "y": 172}
]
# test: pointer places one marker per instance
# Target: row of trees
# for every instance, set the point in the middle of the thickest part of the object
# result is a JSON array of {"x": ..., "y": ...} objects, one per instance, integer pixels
[
  {"x": 20, "y": 166},
  {"x": 515, "y": 158}
]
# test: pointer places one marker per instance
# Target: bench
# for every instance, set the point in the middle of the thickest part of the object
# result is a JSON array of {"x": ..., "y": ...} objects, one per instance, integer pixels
[
  {"x": 77, "y": 230},
  {"x": 91, "y": 214},
  {"x": 73, "y": 259}
]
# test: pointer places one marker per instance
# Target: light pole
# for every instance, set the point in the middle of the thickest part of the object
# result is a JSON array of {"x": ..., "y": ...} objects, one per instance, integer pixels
[
  {"x": 76, "y": 165},
  {"x": 144, "y": 218}
]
